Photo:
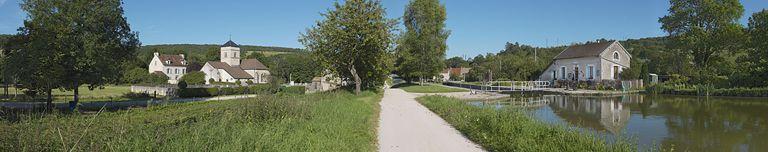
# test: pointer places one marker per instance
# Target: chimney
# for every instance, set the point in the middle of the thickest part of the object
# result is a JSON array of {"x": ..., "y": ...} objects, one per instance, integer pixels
[{"x": 157, "y": 54}]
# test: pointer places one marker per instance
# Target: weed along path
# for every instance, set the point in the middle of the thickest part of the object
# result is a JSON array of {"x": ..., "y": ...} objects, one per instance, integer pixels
[{"x": 406, "y": 125}]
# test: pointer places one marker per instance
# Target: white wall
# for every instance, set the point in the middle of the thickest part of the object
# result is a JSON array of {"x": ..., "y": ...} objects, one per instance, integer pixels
[{"x": 210, "y": 72}]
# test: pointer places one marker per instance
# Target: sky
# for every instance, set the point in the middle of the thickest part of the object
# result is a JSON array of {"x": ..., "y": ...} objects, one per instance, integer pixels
[{"x": 477, "y": 26}]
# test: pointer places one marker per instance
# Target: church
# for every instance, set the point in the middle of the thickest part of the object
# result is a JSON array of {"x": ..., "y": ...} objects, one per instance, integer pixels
[{"x": 232, "y": 69}]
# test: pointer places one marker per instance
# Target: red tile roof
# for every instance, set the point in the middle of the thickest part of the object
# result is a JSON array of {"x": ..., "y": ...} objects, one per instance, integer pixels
[
  {"x": 252, "y": 64},
  {"x": 235, "y": 72},
  {"x": 175, "y": 60}
]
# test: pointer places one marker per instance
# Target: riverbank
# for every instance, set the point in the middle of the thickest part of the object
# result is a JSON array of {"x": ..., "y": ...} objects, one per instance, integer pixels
[
  {"x": 509, "y": 129},
  {"x": 332, "y": 121},
  {"x": 510, "y": 90},
  {"x": 706, "y": 91}
]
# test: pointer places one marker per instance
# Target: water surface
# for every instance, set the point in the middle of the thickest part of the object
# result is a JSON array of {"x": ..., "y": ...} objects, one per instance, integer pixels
[{"x": 671, "y": 122}]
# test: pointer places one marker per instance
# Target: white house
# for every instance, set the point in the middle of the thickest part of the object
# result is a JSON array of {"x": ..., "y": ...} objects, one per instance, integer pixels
[
  {"x": 231, "y": 69},
  {"x": 173, "y": 66},
  {"x": 589, "y": 62}
]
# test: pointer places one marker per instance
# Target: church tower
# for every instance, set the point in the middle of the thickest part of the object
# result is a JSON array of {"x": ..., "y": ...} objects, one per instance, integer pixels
[{"x": 230, "y": 53}]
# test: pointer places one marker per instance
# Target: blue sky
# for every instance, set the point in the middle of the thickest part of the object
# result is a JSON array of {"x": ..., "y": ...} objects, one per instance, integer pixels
[{"x": 477, "y": 26}]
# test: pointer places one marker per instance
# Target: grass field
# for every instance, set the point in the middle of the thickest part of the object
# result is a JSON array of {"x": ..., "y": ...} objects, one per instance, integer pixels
[
  {"x": 427, "y": 88},
  {"x": 107, "y": 93},
  {"x": 335, "y": 121},
  {"x": 509, "y": 129}
]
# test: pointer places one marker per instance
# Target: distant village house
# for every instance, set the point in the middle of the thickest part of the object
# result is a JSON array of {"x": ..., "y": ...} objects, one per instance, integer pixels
[
  {"x": 460, "y": 72},
  {"x": 172, "y": 66},
  {"x": 589, "y": 62}
]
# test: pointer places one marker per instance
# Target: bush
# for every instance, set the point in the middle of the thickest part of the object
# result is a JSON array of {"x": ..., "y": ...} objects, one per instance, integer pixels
[
  {"x": 194, "y": 78},
  {"x": 293, "y": 90},
  {"x": 195, "y": 92},
  {"x": 182, "y": 84},
  {"x": 133, "y": 95}
]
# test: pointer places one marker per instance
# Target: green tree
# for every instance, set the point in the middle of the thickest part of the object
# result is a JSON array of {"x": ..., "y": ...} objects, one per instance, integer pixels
[
  {"x": 422, "y": 48},
  {"x": 706, "y": 29},
  {"x": 298, "y": 67},
  {"x": 758, "y": 47},
  {"x": 135, "y": 76},
  {"x": 354, "y": 41},
  {"x": 456, "y": 62},
  {"x": 194, "y": 78}
]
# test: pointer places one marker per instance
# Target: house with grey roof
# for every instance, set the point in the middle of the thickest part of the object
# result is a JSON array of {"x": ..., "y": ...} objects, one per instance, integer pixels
[
  {"x": 232, "y": 69},
  {"x": 588, "y": 62},
  {"x": 172, "y": 66}
]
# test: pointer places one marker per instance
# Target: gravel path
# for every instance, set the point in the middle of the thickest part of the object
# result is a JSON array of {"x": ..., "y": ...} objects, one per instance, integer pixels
[{"x": 406, "y": 125}]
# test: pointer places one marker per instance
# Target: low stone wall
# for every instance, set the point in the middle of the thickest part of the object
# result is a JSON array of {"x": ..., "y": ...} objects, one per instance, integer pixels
[{"x": 154, "y": 90}]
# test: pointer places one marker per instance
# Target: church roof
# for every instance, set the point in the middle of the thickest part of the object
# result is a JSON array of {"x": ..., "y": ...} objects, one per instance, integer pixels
[
  {"x": 252, "y": 64},
  {"x": 584, "y": 50},
  {"x": 230, "y": 44},
  {"x": 235, "y": 72}
]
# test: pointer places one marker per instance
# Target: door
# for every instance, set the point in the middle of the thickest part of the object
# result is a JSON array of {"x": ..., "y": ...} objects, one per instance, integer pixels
[{"x": 615, "y": 72}]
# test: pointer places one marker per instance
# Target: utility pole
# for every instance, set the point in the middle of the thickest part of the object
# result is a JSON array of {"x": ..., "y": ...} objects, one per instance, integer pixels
[{"x": 535, "y": 54}]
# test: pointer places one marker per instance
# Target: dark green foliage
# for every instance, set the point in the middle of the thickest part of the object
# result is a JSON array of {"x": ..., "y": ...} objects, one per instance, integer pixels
[
  {"x": 509, "y": 129},
  {"x": 141, "y": 76},
  {"x": 210, "y": 92},
  {"x": 709, "y": 32},
  {"x": 757, "y": 58},
  {"x": 456, "y": 62},
  {"x": 182, "y": 84},
  {"x": 293, "y": 90},
  {"x": 298, "y": 67},
  {"x": 194, "y": 78}
]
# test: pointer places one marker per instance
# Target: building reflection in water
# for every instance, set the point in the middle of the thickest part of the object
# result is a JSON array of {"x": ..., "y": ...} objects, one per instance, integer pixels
[{"x": 610, "y": 114}]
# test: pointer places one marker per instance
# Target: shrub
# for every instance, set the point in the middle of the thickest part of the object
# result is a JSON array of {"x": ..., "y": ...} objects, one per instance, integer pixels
[
  {"x": 194, "y": 92},
  {"x": 182, "y": 84},
  {"x": 194, "y": 78}
]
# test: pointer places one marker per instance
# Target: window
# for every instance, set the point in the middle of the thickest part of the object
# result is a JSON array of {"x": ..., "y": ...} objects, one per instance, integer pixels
[
  {"x": 225, "y": 54},
  {"x": 615, "y": 72},
  {"x": 168, "y": 71},
  {"x": 615, "y": 55},
  {"x": 591, "y": 72},
  {"x": 576, "y": 73},
  {"x": 554, "y": 74},
  {"x": 562, "y": 72},
  {"x": 176, "y": 71}
]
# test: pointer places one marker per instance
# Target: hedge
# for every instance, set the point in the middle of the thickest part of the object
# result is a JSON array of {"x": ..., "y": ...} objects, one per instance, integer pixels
[
  {"x": 703, "y": 91},
  {"x": 209, "y": 92}
]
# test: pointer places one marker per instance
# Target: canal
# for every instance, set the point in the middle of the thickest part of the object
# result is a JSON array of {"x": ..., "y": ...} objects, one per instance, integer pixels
[{"x": 669, "y": 122}]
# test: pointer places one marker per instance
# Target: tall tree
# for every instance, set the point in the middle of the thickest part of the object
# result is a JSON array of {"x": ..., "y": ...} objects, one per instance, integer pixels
[
  {"x": 89, "y": 39},
  {"x": 706, "y": 29},
  {"x": 758, "y": 46},
  {"x": 35, "y": 53},
  {"x": 422, "y": 49},
  {"x": 354, "y": 41}
]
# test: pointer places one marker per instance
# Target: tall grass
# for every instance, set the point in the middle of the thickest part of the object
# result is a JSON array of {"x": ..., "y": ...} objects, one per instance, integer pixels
[
  {"x": 509, "y": 129},
  {"x": 334, "y": 121}
]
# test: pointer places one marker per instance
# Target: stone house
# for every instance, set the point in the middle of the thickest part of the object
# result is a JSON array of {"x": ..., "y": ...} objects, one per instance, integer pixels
[
  {"x": 231, "y": 69},
  {"x": 588, "y": 62},
  {"x": 172, "y": 66}
]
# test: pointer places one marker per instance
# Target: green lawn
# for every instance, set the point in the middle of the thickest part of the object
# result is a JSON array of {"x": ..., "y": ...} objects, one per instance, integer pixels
[
  {"x": 427, "y": 88},
  {"x": 509, "y": 129},
  {"x": 107, "y": 93},
  {"x": 335, "y": 121}
]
